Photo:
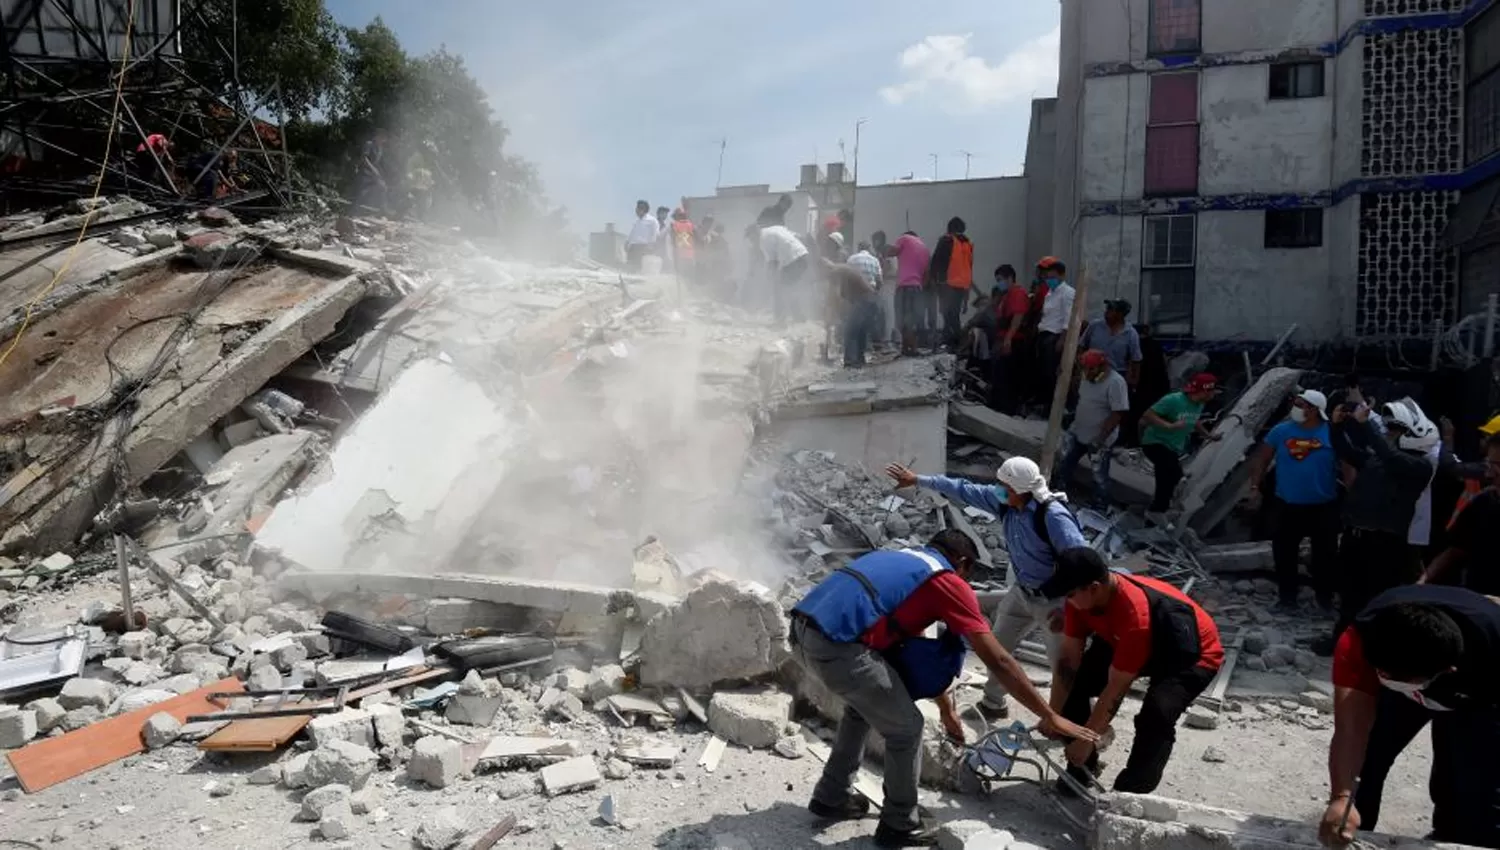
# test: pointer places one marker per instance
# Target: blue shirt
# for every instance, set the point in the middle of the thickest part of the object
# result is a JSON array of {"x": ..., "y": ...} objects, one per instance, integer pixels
[
  {"x": 1306, "y": 466},
  {"x": 1030, "y": 555}
]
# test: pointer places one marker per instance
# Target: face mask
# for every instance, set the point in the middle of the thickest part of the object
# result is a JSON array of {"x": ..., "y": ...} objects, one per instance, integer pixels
[
  {"x": 1299, "y": 415},
  {"x": 1053, "y": 283},
  {"x": 1405, "y": 688},
  {"x": 1002, "y": 493}
]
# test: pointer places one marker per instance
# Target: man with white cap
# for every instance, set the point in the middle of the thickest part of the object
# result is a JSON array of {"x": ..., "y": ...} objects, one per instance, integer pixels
[
  {"x": 1307, "y": 492},
  {"x": 1037, "y": 525}
]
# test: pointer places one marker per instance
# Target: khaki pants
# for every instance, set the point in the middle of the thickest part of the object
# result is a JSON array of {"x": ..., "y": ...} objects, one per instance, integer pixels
[{"x": 1018, "y": 615}]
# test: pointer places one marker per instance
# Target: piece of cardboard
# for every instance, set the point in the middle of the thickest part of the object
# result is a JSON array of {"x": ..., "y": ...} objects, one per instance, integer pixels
[{"x": 46, "y": 763}]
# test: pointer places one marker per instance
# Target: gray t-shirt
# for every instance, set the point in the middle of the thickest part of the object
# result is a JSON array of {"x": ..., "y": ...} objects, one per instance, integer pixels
[
  {"x": 1095, "y": 403},
  {"x": 1122, "y": 348}
]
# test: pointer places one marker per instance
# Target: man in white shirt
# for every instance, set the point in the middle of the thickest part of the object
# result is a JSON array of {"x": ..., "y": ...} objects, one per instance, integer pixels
[
  {"x": 642, "y": 238},
  {"x": 786, "y": 258},
  {"x": 1052, "y": 328}
]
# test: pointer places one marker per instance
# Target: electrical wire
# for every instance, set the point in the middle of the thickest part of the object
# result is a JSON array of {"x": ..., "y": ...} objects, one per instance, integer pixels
[{"x": 98, "y": 189}]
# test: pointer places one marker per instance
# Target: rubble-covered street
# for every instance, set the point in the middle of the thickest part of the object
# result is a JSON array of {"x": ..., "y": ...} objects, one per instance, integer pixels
[{"x": 486, "y": 541}]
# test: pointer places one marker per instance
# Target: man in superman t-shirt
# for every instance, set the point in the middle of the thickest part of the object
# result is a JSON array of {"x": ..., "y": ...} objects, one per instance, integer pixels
[{"x": 1307, "y": 493}]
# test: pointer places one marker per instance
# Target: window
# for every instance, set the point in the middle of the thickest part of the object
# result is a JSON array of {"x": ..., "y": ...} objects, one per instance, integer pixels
[
  {"x": 1175, "y": 26},
  {"x": 1296, "y": 80},
  {"x": 1172, "y": 135},
  {"x": 1168, "y": 279},
  {"x": 1294, "y": 228},
  {"x": 1482, "y": 94}
]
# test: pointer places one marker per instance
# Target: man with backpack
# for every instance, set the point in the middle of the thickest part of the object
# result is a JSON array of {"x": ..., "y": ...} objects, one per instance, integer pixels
[
  {"x": 952, "y": 273},
  {"x": 1037, "y": 525},
  {"x": 1119, "y": 628},
  {"x": 860, "y": 633}
]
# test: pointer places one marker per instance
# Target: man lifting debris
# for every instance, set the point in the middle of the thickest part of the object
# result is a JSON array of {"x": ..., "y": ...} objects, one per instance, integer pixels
[
  {"x": 859, "y": 631},
  {"x": 1119, "y": 628},
  {"x": 1416, "y": 655}
]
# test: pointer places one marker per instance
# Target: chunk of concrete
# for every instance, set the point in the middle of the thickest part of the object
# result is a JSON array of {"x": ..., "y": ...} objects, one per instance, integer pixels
[
  {"x": 389, "y": 724},
  {"x": 84, "y": 693},
  {"x": 17, "y": 727},
  {"x": 161, "y": 730},
  {"x": 972, "y": 835},
  {"x": 436, "y": 761},
  {"x": 750, "y": 719},
  {"x": 49, "y": 713},
  {"x": 605, "y": 681},
  {"x": 473, "y": 709},
  {"x": 721, "y": 632},
  {"x": 1198, "y": 717},
  {"x": 294, "y": 772},
  {"x": 337, "y": 822},
  {"x": 1217, "y": 478},
  {"x": 319, "y": 799},
  {"x": 571, "y": 776},
  {"x": 134, "y": 644},
  {"x": 341, "y": 762},
  {"x": 442, "y": 830},
  {"x": 351, "y": 724}
]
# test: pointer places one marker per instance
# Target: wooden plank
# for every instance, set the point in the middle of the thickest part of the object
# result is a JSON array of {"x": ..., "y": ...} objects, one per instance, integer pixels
[
  {"x": 46, "y": 763},
  {"x": 262, "y": 735},
  {"x": 497, "y": 832}
]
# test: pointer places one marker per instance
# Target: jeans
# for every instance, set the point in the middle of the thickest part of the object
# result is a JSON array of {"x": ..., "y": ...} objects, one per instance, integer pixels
[
  {"x": 1017, "y": 615},
  {"x": 1369, "y": 564},
  {"x": 951, "y": 306},
  {"x": 1168, "y": 467},
  {"x": 1293, "y": 523},
  {"x": 1007, "y": 378},
  {"x": 859, "y": 323},
  {"x": 874, "y": 698},
  {"x": 1074, "y": 451},
  {"x": 1048, "y": 360},
  {"x": 787, "y": 298},
  {"x": 930, "y": 316},
  {"x": 909, "y": 315},
  {"x": 1465, "y": 780},
  {"x": 1167, "y": 697}
]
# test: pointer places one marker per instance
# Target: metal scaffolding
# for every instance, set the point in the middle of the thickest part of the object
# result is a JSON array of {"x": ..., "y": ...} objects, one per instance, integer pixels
[{"x": 63, "y": 63}]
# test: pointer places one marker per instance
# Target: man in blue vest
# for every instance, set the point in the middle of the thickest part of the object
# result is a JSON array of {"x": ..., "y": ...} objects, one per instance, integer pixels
[
  {"x": 859, "y": 632},
  {"x": 1037, "y": 525}
]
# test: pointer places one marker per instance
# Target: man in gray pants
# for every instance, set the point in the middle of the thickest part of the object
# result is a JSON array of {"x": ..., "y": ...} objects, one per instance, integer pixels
[{"x": 857, "y": 631}]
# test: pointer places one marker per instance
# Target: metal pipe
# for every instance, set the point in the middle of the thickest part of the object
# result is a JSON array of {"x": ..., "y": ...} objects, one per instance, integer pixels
[{"x": 1279, "y": 343}]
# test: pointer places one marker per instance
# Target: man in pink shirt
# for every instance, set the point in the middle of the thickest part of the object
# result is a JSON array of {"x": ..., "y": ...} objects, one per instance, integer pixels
[{"x": 912, "y": 258}]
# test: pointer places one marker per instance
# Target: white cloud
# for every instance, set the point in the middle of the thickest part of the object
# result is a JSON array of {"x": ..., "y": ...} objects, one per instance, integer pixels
[{"x": 942, "y": 65}]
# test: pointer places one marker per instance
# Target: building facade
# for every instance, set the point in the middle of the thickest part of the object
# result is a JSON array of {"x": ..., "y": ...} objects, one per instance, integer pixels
[{"x": 1238, "y": 166}]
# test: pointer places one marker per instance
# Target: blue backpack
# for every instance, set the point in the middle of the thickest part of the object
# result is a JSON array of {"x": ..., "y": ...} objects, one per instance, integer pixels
[{"x": 927, "y": 666}]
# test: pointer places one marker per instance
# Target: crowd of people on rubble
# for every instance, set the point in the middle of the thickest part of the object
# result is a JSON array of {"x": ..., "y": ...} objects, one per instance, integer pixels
[{"x": 209, "y": 172}]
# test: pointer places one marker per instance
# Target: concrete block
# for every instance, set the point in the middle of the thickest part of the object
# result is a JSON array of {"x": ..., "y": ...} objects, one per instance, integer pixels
[
  {"x": 17, "y": 727},
  {"x": 436, "y": 761},
  {"x": 1216, "y": 477},
  {"x": 573, "y": 681},
  {"x": 750, "y": 719},
  {"x": 453, "y": 616},
  {"x": 721, "y": 632},
  {"x": 351, "y": 724},
  {"x": 341, "y": 762},
  {"x": 266, "y": 775},
  {"x": 1250, "y": 557},
  {"x": 473, "y": 709},
  {"x": 605, "y": 681},
  {"x": 85, "y": 693},
  {"x": 134, "y": 644},
  {"x": 319, "y": 799},
  {"x": 294, "y": 772},
  {"x": 161, "y": 730},
  {"x": 1198, "y": 717},
  {"x": 389, "y": 724},
  {"x": 972, "y": 835},
  {"x": 264, "y": 678},
  {"x": 442, "y": 830},
  {"x": 571, "y": 776},
  {"x": 337, "y": 822},
  {"x": 49, "y": 713}
]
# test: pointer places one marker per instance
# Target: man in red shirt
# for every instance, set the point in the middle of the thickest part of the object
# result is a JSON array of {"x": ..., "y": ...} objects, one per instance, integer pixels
[
  {"x": 1416, "y": 655},
  {"x": 858, "y": 630},
  {"x": 1007, "y": 369},
  {"x": 1134, "y": 627}
]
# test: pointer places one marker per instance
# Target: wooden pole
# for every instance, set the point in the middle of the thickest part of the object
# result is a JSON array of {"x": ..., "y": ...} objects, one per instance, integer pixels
[
  {"x": 1065, "y": 373},
  {"x": 127, "y": 601}
]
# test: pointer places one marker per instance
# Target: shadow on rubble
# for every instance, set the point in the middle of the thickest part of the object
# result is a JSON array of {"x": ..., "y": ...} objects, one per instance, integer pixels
[{"x": 1021, "y": 809}]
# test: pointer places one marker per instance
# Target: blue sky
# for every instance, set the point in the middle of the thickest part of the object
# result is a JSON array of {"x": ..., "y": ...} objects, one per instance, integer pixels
[{"x": 618, "y": 101}]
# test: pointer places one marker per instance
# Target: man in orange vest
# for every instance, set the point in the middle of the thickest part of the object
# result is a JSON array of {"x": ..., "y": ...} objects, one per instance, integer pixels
[
  {"x": 952, "y": 275},
  {"x": 684, "y": 245}
]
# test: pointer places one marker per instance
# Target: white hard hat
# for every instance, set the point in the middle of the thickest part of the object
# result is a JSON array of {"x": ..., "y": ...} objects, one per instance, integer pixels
[{"x": 1419, "y": 434}]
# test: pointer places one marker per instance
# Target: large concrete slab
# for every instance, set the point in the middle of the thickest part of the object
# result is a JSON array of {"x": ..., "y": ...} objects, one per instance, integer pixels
[
  {"x": 241, "y": 339},
  {"x": 917, "y": 436},
  {"x": 1025, "y": 436},
  {"x": 1138, "y": 822},
  {"x": 1217, "y": 478}
]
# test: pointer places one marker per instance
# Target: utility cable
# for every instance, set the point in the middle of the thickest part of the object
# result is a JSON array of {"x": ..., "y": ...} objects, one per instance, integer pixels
[{"x": 109, "y": 138}]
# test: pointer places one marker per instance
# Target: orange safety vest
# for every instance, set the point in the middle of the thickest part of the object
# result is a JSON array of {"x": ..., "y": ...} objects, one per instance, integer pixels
[
  {"x": 682, "y": 235},
  {"x": 961, "y": 264}
]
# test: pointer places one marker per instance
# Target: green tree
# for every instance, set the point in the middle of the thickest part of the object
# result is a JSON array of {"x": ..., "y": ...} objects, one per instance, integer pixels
[{"x": 293, "y": 46}]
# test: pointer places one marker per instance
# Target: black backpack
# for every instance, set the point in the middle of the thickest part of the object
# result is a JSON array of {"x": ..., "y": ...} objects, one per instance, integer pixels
[{"x": 1039, "y": 520}]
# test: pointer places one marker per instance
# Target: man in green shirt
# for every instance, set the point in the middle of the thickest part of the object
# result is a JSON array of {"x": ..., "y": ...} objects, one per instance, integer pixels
[{"x": 1170, "y": 423}]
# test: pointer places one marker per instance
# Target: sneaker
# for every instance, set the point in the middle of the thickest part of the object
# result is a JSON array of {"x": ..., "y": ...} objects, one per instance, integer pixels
[
  {"x": 922, "y": 836},
  {"x": 853, "y": 808}
]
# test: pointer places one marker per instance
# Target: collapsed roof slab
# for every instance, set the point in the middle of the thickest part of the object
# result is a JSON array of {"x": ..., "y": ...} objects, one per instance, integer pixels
[{"x": 248, "y": 333}]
